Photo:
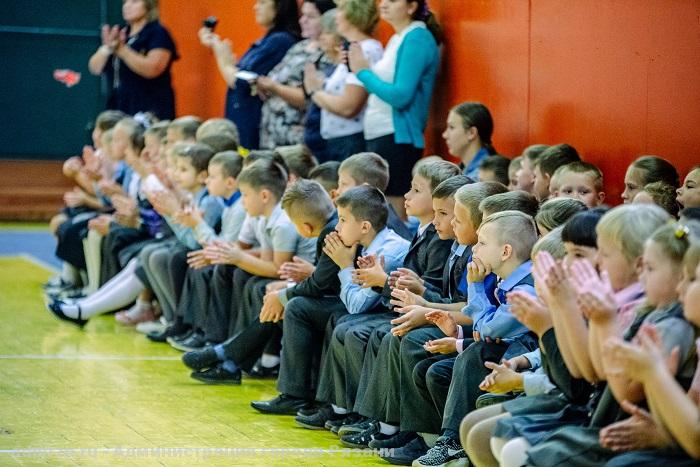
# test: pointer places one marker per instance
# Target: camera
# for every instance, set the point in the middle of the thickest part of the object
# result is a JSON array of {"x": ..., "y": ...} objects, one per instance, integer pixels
[{"x": 210, "y": 22}]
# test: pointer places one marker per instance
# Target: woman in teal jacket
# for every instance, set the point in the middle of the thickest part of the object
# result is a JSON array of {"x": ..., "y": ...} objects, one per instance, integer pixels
[{"x": 400, "y": 87}]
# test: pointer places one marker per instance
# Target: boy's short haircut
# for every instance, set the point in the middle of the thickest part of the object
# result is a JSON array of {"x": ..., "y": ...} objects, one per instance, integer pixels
[
  {"x": 551, "y": 243},
  {"x": 557, "y": 211},
  {"x": 298, "y": 158},
  {"x": 580, "y": 229},
  {"x": 664, "y": 195},
  {"x": 135, "y": 132},
  {"x": 498, "y": 165},
  {"x": 159, "y": 129},
  {"x": 582, "y": 167},
  {"x": 198, "y": 154},
  {"x": 231, "y": 163},
  {"x": 264, "y": 154},
  {"x": 555, "y": 156},
  {"x": 215, "y": 126},
  {"x": 629, "y": 226},
  {"x": 515, "y": 228},
  {"x": 308, "y": 200},
  {"x": 367, "y": 167},
  {"x": 107, "y": 119},
  {"x": 219, "y": 142},
  {"x": 516, "y": 200},
  {"x": 515, "y": 164},
  {"x": 186, "y": 125},
  {"x": 533, "y": 152},
  {"x": 424, "y": 160},
  {"x": 450, "y": 186},
  {"x": 265, "y": 174},
  {"x": 366, "y": 203},
  {"x": 436, "y": 172},
  {"x": 326, "y": 174},
  {"x": 470, "y": 196}
]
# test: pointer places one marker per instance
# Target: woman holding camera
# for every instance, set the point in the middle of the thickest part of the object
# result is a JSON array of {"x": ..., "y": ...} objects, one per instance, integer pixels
[
  {"x": 243, "y": 103},
  {"x": 137, "y": 59}
]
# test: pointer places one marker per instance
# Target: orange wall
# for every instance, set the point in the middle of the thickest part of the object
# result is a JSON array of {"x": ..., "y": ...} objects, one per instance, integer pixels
[{"x": 616, "y": 79}]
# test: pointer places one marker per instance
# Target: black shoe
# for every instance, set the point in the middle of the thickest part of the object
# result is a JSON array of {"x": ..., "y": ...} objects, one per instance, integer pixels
[
  {"x": 262, "y": 372},
  {"x": 55, "y": 308},
  {"x": 195, "y": 341},
  {"x": 176, "y": 329},
  {"x": 201, "y": 358},
  {"x": 350, "y": 419},
  {"x": 217, "y": 375},
  {"x": 357, "y": 427},
  {"x": 361, "y": 439},
  {"x": 281, "y": 405},
  {"x": 400, "y": 439},
  {"x": 317, "y": 421},
  {"x": 405, "y": 455}
]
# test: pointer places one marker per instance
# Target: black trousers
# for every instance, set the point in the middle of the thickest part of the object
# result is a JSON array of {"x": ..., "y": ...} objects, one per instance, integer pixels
[
  {"x": 249, "y": 345},
  {"x": 227, "y": 284},
  {"x": 306, "y": 321}
]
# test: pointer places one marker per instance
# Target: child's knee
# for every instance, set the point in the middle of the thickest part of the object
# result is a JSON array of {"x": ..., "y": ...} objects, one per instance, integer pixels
[{"x": 56, "y": 222}]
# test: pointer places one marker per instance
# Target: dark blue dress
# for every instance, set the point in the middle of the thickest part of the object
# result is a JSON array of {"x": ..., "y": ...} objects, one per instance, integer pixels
[
  {"x": 132, "y": 93},
  {"x": 241, "y": 107}
]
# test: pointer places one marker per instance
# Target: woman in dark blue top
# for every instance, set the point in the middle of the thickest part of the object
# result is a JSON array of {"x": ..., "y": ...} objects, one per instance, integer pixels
[
  {"x": 137, "y": 60},
  {"x": 243, "y": 105}
]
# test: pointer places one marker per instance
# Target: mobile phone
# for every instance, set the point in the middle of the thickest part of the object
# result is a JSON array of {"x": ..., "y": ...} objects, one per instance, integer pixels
[{"x": 210, "y": 22}]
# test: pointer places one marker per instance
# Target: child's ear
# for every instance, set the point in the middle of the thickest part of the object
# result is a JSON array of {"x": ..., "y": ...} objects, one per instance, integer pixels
[
  {"x": 601, "y": 197},
  {"x": 507, "y": 252},
  {"x": 309, "y": 229},
  {"x": 265, "y": 195},
  {"x": 638, "y": 263},
  {"x": 366, "y": 227}
]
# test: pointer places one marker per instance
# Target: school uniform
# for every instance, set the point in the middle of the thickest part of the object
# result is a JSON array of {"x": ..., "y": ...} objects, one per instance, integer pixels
[
  {"x": 426, "y": 256},
  {"x": 303, "y": 325}
]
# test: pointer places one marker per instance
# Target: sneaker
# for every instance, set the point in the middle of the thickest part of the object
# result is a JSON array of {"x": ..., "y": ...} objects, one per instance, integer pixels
[
  {"x": 446, "y": 452},
  {"x": 317, "y": 421},
  {"x": 173, "y": 330},
  {"x": 361, "y": 439},
  {"x": 397, "y": 440},
  {"x": 151, "y": 327},
  {"x": 200, "y": 359},
  {"x": 357, "y": 427},
  {"x": 350, "y": 419},
  {"x": 217, "y": 375},
  {"x": 405, "y": 455}
]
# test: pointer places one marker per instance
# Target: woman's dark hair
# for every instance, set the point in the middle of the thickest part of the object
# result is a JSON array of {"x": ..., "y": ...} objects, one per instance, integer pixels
[
  {"x": 322, "y": 5},
  {"x": 476, "y": 114},
  {"x": 657, "y": 169},
  {"x": 287, "y": 17},
  {"x": 424, "y": 14},
  {"x": 580, "y": 229}
]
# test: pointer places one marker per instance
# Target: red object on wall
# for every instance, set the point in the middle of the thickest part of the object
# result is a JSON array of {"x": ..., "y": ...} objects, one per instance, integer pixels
[{"x": 616, "y": 79}]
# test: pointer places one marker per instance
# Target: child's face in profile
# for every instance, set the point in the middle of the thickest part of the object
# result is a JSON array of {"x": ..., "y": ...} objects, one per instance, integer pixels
[
  {"x": 463, "y": 226},
  {"x": 487, "y": 175},
  {"x": 419, "y": 200},
  {"x": 350, "y": 230},
  {"x": 689, "y": 192},
  {"x": 526, "y": 177},
  {"x": 634, "y": 182},
  {"x": 455, "y": 135},
  {"x": 97, "y": 137},
  {"x": 540, "y": 187},
  {"x": 488, "y": 248},
  {"x": 513, "y": 177},
  {"x": 253, "y": 200},
  {"x": 575, "y": 252},
  {"x": 345, "y": 182},
  {"x": 444, "y": 211},
  {"x": 151, "y": 148},
  {"x": 691, "y": 298},
  {"x": 658, "y": 271},
  {"x": 173, "y": 136},
  {"x": 217, "y": 182},
  {"x": 120, "y": 141},
  {"x": 580, "y": 186},
  {"x": 611, "y": 260},
  {"x": 186, "y": 175}
]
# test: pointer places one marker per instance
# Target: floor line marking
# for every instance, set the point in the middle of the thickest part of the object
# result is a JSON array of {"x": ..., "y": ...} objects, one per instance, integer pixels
[
  {"x": 175, "y": 451},
  {"x": 87, "y": 357}
]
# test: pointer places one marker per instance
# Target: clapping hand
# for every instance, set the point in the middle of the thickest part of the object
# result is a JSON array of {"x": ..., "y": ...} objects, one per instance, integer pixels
[
  {"x": 443, "y": 320},
  {"x": 370, "y": 272},
  {"x": 296, "y": 270}
]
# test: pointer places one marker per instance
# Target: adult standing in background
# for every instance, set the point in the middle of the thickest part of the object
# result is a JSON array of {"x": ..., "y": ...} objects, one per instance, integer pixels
[
  {"x": 243, "y": 104},
  {"x": 400, "y": 87},
  {"x": 137, "y": 59},
  {"x": 284, "y": 103}
]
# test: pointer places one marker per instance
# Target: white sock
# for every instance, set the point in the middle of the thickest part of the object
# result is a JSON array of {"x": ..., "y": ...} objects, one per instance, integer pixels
[
  {"x": 386, "y": 429},
  {"x": 70, "y": 273},
  {"x": 429, "y": 438},
  {"x": 93, "y": 259},
  {"x": 269, "y": 361},
  {"x": 339, "y": 410},
  {"x": 117, "y": 293}
]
